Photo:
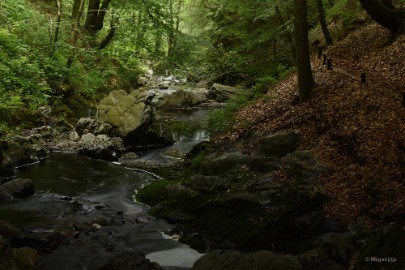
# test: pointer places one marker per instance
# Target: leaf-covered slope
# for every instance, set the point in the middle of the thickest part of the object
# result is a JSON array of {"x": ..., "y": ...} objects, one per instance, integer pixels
[{"x": 357, "y": 130}]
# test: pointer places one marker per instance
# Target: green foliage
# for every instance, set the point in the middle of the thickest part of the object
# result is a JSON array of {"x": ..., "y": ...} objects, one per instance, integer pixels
[
  {"x": 197, "y": 161},
  {"x": 247, "y": 39},
  {"x": 347, "y": 13},
  {"x": 222, "y": 120},
  {"x": 264, "y": 83}
]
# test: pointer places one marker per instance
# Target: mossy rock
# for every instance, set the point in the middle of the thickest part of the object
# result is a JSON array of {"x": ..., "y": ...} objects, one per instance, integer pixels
[
  {"x": 233, "y": 161},
  {"x": 279, "y": 144},
  {"x": 171, "y": 194},
  {"x": 295, "y": 220},
  {"x": 152, "y": 193}
]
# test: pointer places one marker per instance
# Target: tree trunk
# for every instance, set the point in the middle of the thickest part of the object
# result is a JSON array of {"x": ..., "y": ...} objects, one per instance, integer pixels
[
  {"x": 322, "y": 21},
  {"x": 95, "y": 15},
  {"x": 385, "y": 14},
  {"x": 77, "y": 12},
  {"x": 56, "y": 36},
  {"x": 305, "y": 79},
  {"x": 288, "y": 35}
]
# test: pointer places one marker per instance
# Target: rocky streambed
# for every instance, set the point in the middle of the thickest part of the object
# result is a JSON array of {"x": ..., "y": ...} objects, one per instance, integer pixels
[{"x": 221, "y": 198}]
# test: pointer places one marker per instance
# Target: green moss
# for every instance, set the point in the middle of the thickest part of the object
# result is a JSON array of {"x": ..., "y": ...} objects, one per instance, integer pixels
[
  {"x": 197, "y": 161},
  {"x": 150, "y": 193}
]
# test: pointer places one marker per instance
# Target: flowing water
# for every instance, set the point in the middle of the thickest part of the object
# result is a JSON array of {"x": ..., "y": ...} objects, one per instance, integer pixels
[{"x": 72, "y": 191}]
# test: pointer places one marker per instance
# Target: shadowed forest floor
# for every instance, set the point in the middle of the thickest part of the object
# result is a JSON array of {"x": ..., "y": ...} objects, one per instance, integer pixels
[{"x": 356, "y": 130}]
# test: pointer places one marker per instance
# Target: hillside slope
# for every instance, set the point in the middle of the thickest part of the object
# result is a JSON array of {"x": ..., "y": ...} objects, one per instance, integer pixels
[{"x": 357, "y": 131}]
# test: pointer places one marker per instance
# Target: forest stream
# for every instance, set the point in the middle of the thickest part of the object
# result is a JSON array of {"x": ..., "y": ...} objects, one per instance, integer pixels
[{"x": 72, "y": 191}]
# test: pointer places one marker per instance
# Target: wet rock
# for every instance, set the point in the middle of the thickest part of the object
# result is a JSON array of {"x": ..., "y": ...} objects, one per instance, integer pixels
[
  {"x": 229, "y": 259},
  {"x": 59, "y": 238},
  {"x": 17, "y": 188},
  {"x": 109, "y": 153},
  {"x": 100, "y": 147},
  {"x": 222, "y": 93},
  {"x": 6, "y": 254},
  {"x": 94, "y": 126},
  {"x": 24, "y": 258},
  {"x": 148, "y": 137},
  {"x": 7, "y": 171},
  {"x": 174, "y": 152},
  {"x": 8, "y": 230},
  {"x": 168, "y": 170},
  {"x": 130, "y": 260},
  {"x": 279, "y": 144},
  {"x": 24, "y": 150}
]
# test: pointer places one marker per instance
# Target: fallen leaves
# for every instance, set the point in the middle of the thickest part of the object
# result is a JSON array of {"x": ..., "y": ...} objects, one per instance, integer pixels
[{"x": 357, "y": 131}]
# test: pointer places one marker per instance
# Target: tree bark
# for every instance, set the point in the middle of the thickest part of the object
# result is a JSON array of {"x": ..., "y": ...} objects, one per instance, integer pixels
[
  {"x": 322, "y": 21},
  {"x": 305, "y": 80},
  {"x": 95, "y": 15},
  {"x": 77, "y": 12},
  {"x": 58, "y": 19},
  {"x": 385, "y": 14}
]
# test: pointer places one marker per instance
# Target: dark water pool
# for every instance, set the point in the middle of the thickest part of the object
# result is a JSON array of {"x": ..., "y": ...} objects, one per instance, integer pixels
[{"x": 73, "y": 190}]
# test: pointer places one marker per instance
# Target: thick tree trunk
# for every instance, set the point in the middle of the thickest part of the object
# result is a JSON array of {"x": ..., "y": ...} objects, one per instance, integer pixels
[
  {"x": 305, "y": 79},
  {"x": 95, "y": 15},
  {"x": 322, "y": 21},
  {"x": 385, "y": 14}
]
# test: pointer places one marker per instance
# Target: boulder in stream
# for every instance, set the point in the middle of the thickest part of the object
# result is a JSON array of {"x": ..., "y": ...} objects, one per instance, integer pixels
[
  {"x": 100, "y": 147},
  {"x": 125, "y": 112},
  {"x": 17, "y": 188}
]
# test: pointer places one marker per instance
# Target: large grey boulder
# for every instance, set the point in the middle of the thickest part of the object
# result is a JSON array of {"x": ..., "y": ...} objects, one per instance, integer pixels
[
  {"x": 260, "y": 260},
  {"x": 125, "y": 112}
]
